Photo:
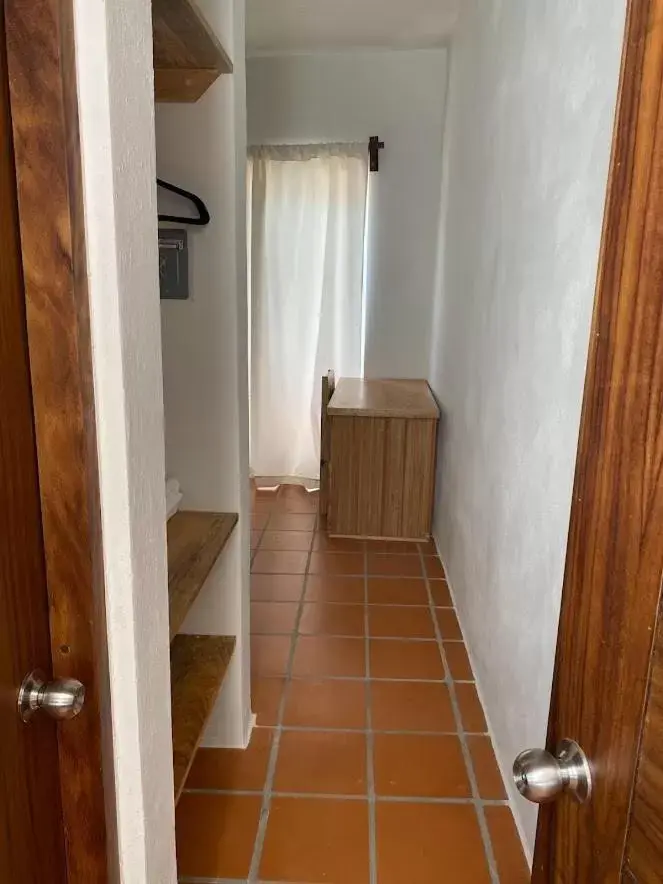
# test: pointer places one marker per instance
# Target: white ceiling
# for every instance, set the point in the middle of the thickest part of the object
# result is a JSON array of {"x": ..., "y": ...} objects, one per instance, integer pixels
[{"x": 301, "y": 25}]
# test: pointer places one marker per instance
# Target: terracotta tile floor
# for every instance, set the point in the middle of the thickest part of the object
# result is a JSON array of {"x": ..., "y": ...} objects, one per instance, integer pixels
[{"x": 370, "y": 762}]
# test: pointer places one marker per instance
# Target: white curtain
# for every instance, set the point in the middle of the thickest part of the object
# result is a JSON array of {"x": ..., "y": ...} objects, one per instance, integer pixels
[{"x": 307, "y": 216}]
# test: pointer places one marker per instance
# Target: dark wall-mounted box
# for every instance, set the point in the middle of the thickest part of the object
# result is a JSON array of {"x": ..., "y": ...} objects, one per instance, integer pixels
[{"x": 173, "y": 264}]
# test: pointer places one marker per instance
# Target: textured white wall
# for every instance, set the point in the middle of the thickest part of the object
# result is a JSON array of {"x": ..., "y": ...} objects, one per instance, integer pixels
[
  {"x": 114, "y": 55},
  {"x": 293, "y": 26},
  {"x": 350, "y": 96},
  {"x": 202, "y": 147},
  {"x": 532, "y": 99}
]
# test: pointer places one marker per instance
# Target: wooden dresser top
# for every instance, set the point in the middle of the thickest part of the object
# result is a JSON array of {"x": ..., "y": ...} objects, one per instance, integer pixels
[{"x": 383, "y": 398}]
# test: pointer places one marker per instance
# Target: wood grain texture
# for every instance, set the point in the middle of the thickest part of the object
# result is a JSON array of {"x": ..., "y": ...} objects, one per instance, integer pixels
[
  {"x": 383, "y": 474},
  {"x": 394, "y": 472},
  {"x": 31, "y": 825},
  {"x": 418, "y": 478},
  {"x": 369, "y": 453},
  {"x": 615, "y": 551},
  {"x": 188, "y": 56},
  {"x": 182, "y": 86},
  {"x": 644, "y": 845},
  {"x": 383, "y": 398},
  {"x": 344, "y": 476},
  {"x": 198, "y": 664},
  {"x": 42, "y": 74},
  {"x": 195, "y": 542},
  {"x": 328, "y": 387}
]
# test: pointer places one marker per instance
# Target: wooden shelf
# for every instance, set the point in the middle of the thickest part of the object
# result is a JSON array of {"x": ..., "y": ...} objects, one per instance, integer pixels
[
  {"x": 195, "y": 542},
  {"x": 188, "y": 56},
  {"x": 198, "y": 664}
]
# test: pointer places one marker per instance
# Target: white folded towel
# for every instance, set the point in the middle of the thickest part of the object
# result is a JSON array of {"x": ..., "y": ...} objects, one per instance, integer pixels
[{"x": 173, "y": 497}]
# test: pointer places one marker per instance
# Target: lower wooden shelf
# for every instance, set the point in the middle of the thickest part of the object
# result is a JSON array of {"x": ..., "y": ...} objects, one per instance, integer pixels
[
  {"x": 195, "y": 542},
  {"x": 198, "y": 664}
]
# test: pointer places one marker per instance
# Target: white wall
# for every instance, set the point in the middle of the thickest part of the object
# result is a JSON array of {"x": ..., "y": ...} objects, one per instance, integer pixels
[
  {"x": 350, "y": 96},
  {"x": 202, "y": 147},
  {"x": 293, "y": 26},
  {"x": 532, "y": 98},
  {"x": 114, "y": 56}
]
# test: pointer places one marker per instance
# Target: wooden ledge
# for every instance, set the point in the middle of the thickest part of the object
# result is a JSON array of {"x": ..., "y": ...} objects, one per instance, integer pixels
[
  {"x": 188, "y": 56},
  {"x": 195, "y": 542},
  {"x": 198, "y": 664}
]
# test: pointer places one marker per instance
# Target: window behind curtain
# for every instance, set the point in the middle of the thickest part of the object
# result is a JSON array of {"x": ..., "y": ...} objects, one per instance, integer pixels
[{"x": 307, "y": 216}]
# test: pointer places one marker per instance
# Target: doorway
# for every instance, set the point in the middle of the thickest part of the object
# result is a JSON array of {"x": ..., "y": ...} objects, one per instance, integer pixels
[{"x": 528, "y": 208}]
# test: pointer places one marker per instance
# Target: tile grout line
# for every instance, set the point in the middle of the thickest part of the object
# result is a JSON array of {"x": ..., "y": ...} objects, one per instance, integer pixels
[
  {"x": 340, "y": 796},
  {"x": 339, "y": 574},
  {"x": 254, "y": 552},
  {"x": 254, "y": 870},
  {"x": 351, "y": 604},
  {"x": 370, "y": 748},
  {"x": 358, "y": 730},
  {"x": 462, "y": 734},
  {"x": 314, "y": 677},
  {"x": 375, "y": 638}
]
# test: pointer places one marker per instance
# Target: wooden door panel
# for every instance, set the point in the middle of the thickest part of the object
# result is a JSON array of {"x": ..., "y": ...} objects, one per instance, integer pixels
[
  {"x": 615, "y": 551},
  {"x": 644, "y": 845},
  {"x": 44, "y": 116},
  {"x": 29, "y": 768}
]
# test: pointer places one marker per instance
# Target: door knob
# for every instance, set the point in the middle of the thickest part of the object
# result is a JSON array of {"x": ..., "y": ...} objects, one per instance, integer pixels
[
  {"x": 542, "y": 777},
  {"x": 61, "y": 699}
]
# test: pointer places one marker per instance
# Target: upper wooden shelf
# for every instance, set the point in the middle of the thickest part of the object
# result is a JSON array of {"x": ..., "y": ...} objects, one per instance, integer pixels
[
  {"x": 188, "y": 56},
  {"x": 198, "y": 665},
  {"x": 195, "y": 542}
]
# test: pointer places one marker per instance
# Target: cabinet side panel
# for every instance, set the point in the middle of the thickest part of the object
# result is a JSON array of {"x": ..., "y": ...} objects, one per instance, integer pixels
[{"x": 418, "y": 478}]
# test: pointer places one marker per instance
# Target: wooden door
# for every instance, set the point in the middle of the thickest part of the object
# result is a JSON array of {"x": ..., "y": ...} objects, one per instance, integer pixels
[
  {"x": 31, "y": 827},
  {"x": 52, "y": 797},
  {"x": 604, "y": 677}
]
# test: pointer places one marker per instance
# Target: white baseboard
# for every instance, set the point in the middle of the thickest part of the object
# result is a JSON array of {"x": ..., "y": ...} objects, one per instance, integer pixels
[
  {"x": 505, "y": 768},
  {"x": 250, "y": 724}
]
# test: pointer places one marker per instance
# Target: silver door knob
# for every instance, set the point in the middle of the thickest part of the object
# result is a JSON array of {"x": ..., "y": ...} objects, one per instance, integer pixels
[
  {"x": 61, "y": 699},
  {"x": 542, "y": 777}
]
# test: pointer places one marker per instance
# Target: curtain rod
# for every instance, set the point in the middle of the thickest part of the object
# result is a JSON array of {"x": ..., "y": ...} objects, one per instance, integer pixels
[{"x": 374, "y": 148}]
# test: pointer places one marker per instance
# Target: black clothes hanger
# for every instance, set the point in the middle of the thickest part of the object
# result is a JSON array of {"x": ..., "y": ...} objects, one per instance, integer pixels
[{"x": 203, "y": 215}]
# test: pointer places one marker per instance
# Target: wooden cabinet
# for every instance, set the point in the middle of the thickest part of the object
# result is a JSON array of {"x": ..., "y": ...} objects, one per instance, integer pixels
[{"x": 382, "y": 458}]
